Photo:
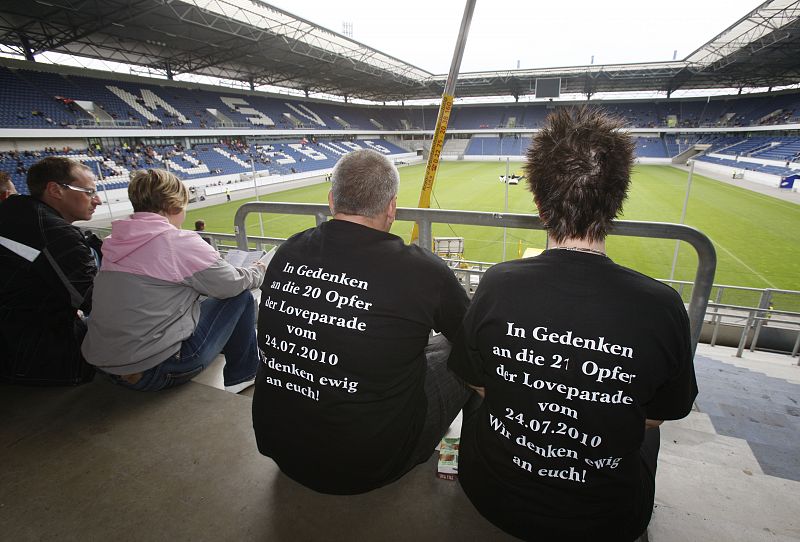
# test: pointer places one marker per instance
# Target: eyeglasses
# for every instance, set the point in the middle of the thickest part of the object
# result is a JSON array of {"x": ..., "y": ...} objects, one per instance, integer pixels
[{"x": 90, "y": 191}]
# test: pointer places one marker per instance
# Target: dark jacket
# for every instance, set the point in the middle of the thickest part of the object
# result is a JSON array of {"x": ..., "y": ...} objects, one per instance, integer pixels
[{"x": 40, "y": 331}]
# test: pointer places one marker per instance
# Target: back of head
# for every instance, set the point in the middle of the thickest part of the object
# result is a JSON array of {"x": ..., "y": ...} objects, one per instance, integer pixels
[
  {"x": 363, "y": 183},
  {"x": 157, "y": 191},
  {"x": 578, "y": 168},
  {"x": 199, "y": 225},
  {"x": 58, "y": 169}
]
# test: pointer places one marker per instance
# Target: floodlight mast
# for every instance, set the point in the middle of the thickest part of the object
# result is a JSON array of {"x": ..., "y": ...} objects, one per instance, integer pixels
[{"x": 444, "y": 116}]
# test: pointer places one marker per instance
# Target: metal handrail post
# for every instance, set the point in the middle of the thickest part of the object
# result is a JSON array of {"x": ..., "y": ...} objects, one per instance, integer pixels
[
  {"x": 425, "y": 234},
  {"x": 745, "y": 331},
  {"x": 763, "y": 303},
  {"x": 759, "y": 323},
  {"x": 796, "y": 346},
  {"x": 717, "y": 319},
  {"x": 718, "y": 298}
]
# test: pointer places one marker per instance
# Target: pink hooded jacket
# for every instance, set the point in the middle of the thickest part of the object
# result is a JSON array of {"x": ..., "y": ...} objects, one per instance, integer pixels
[{"x": 147, "y": 294}]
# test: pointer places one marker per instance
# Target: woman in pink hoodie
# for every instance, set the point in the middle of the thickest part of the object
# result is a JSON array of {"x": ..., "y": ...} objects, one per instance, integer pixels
[{"x": 165, "y": 302}]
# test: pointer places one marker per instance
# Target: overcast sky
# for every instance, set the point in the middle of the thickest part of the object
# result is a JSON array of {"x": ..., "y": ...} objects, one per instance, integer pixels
[{"x": 537, "y": 34}]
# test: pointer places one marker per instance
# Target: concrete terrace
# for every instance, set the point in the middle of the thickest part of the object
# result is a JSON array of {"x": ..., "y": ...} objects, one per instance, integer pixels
[{"x": 98, "y": 462}]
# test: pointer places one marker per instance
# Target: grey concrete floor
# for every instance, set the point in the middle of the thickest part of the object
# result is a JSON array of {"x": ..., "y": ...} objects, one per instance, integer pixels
[{"x": 99, "y": 462}]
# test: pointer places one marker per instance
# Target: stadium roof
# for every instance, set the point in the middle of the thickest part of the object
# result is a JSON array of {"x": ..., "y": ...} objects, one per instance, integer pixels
[{"x": 250, "y": 41}]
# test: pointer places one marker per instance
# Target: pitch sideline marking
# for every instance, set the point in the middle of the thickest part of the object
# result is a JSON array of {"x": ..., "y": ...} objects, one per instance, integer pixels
[
  {"x": 756, "y": 273},
  {"x": 767, "y": 198}
]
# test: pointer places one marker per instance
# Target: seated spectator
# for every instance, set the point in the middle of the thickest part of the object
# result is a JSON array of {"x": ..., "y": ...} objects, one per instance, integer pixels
[
  {"x": 46, "y": 274},
  {"x": 7, "y": 188},
  {"x": 579, "y": 359},
  {"x": 200, "y": 227},
  {"x": 150, "y": 329},
  {"x": 357, "y": 396}
]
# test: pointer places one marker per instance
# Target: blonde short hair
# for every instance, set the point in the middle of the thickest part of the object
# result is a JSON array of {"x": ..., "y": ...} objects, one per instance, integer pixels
[{"x": 157, "y": 191}]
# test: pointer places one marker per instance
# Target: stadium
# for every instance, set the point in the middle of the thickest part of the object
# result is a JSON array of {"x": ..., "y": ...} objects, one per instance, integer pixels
[{"x": 277, "y": 101}]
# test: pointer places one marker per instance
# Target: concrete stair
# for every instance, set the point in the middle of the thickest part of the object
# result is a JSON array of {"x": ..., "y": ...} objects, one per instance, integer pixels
[{"x": 730, "y": 470}]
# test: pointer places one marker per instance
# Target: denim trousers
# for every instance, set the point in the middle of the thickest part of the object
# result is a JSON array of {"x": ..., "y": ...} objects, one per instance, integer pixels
[
  {"x": 225, "y": 325},
  {"x": 446, "y": 395}
]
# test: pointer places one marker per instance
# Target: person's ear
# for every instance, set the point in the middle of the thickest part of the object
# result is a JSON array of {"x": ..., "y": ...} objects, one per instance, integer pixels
[
  {"x": 391, "y": 212},
  {"x": 330, "y": 202},
  {"x": 53, "y": 190}
]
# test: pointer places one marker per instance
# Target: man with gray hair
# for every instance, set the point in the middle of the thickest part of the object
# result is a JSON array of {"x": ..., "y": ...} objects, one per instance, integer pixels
[{"x": 352, "y": 392}]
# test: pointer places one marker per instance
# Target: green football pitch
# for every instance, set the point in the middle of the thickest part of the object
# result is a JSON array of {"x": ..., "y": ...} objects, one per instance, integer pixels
[{"x": 756, "y": 236}]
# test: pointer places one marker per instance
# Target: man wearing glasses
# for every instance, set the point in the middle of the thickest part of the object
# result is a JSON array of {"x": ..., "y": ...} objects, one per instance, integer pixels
[{"x": 46, "y": 275}]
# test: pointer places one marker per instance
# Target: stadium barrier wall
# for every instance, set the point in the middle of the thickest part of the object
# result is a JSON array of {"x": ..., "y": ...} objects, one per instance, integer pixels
[
  {"x": 759, "y": 177},
  {"x": 492, "y": 158},
  {"x": 654, "y": 161},
  {"x": 115, "y": 202},
  {"x": 754, "y": 160},
  {"x": 425, "y": 218}
]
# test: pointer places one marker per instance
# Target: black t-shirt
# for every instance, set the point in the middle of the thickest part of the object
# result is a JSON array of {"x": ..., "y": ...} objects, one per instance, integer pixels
[
  {"x": 575, "y": 352},
  {"x": 345, "y": 315}
]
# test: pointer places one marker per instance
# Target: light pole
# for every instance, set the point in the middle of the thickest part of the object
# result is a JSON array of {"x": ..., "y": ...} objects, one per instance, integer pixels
[
  {"x": 255, "y": 185},
  {"x": 508, "y": 165},
  {"x": 105, "y": 190},
  {"x": 683, "y": 218}
]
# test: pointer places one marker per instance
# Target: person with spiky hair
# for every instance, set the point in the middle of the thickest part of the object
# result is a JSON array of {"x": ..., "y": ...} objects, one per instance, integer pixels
[{"x": 579, "y": 359}]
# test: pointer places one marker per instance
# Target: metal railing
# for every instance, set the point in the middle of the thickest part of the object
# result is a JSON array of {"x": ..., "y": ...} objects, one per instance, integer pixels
[
  {"x": 754, "y": 318},
  {"x": 469, "y": 274},
  {"x": 425, "y": 218},
  {"x": 763, "y": 298},
  {"x": 116, "y": 123}
]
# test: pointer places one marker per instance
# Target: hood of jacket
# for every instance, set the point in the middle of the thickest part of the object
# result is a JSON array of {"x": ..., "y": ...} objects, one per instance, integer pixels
[
  {"x": 147, "y": 244},
  {"x": 131, "y": 234}
]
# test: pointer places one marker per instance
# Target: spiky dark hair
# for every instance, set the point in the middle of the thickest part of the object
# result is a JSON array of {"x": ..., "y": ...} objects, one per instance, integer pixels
[{"x": 578, "y": 169}]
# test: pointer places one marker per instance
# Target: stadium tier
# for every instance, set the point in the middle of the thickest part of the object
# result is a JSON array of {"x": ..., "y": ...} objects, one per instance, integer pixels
[
  {"x": 201, "y": 161},
  {"x": 43, "y": 99},
  {"x": 512, "y": 145},
  {"x": 289, "y": 157}
]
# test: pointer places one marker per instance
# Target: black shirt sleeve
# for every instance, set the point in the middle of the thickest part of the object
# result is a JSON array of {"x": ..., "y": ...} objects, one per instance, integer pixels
[
  {"x": 673, "y": 399},
  {"x": 465, "y": 358},
  {"x": 453, "y": 303}
]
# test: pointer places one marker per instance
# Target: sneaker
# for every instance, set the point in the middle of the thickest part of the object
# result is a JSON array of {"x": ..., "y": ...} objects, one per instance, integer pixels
[{"x": 236, "y": 388}]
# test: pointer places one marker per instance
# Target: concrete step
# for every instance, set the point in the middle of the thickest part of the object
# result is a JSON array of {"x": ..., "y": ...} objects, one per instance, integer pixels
[
  {"x": 701, "y": 499},
  {"x": 765, "y": 363},
  {"x": 714, "y": 375},
  {"x": 742, "y": 378},
  {"x": 705, "y": 446},
  {"x": 756, "y": 432},
  {"x": 752, "y": 383},
  {"x": 762, "y": 412},
  {"x": 677, "y": 525}
]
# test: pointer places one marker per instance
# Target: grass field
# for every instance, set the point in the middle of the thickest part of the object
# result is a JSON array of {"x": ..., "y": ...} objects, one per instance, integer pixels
[{"x": 756, "y": 236}]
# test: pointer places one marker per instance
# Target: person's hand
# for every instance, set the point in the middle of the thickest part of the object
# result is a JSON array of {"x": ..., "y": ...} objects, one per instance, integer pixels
[{"x": 260, "y": 265}]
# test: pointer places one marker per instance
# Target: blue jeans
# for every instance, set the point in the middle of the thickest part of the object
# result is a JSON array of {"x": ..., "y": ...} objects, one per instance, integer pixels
[
  {"x": 446, "y": 395},
  {"x": 225, "y": 325}
]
